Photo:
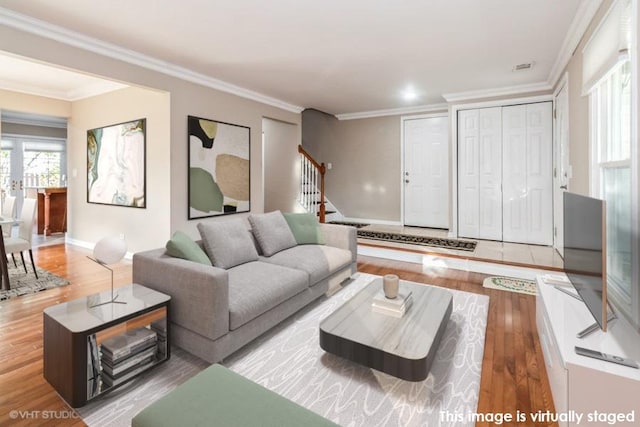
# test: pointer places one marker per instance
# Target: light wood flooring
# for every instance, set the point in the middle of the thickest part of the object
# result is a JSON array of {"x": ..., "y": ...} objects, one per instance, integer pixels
[{"x": 513, "y": 373}]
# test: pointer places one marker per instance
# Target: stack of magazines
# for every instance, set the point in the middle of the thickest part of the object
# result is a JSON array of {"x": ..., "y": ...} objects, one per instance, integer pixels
[
  {"x": 160, "y": 329},
  {"x": 395, "y": 307},
  {"x": 128, "y": 354}
]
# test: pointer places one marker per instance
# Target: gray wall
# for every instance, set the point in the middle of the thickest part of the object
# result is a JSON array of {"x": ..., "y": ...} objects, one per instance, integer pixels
[
  {"x": 365, "y": 181},
  {"x": 366, "y": 169}
]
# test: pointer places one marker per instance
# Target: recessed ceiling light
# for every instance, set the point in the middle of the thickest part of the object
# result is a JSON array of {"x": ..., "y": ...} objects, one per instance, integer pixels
[{"x": 409, "y": 95}]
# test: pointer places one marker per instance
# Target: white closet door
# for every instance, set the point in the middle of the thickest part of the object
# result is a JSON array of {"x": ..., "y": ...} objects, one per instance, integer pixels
[
  {"x": 514, "y": 161},
  {"x": 490, "y": 173},
  {"x": 540, "y": 174},
  {"x": 468, "y": 175},
  {"x": 426, "y": 159},
  {"x": 527, "y": 162}
]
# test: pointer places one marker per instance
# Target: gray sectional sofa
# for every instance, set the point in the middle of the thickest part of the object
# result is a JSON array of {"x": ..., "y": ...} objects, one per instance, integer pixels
[{"x": 215, "y": 311}]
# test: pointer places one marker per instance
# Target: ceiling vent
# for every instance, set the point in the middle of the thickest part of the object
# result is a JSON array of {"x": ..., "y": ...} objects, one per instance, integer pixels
[{"x": 523, "y": 67}]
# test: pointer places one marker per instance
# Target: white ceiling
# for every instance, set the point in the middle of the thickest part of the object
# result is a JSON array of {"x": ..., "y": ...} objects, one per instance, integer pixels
[
  {"x": 338, "y": 56},
  {"x": 24, "y": 76}
]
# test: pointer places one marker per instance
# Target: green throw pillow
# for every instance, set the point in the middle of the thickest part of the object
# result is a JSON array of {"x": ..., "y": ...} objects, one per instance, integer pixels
[
  {"x": 183, "y": 246},
  {"x": 305, "y": 228}
]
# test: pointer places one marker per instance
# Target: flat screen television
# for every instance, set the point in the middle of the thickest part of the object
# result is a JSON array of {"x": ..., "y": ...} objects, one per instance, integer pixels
[{"x": 585, "y": 257}]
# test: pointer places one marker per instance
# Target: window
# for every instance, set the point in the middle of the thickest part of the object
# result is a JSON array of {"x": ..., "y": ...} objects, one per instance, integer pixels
[
  {"x": 609, "y": 68},
  {"x": 42, "y": 169},
  {"x": 27, "y": 162},
  {"x": 611, "y": 139}
]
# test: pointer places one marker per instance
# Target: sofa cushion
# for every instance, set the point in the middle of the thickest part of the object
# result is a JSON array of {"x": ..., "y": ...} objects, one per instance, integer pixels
[
  {"x": 257, "y": 287},
  {"x": 218, "y": 396},
  {"x": 305, "y": 228},
  {"x": 228, "y": 243},
  {"x": 183, "y": 246},
  {"x": 272, "y": 232},
  {"x": 318, "y": 261}
]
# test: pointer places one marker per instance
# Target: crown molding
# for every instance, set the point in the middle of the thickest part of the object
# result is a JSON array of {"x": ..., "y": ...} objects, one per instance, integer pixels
[
  {"x": 501, "y": 91},
  {"x": 74, "y": 95},
  {"x": 97, "y": 88},
  {"x": 583, "y": 17},
  {"x": 33, "y": 90},
  {"x": 72, "y": 38},
  {"x": 393, "y": 111}
]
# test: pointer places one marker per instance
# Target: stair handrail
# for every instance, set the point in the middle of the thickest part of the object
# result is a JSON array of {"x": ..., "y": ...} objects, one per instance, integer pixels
[{"x": 322, "y": 169}]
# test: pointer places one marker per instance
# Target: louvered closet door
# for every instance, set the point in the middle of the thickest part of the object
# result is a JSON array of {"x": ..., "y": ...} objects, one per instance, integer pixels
[
  {"x": 480, "y": 173},
  {"x": 527, "y": 162}
]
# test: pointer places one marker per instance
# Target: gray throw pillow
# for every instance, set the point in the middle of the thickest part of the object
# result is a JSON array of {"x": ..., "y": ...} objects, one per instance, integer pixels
[
  {"x": 272, "y": 232},
  {"x": 228, "y": 243}
]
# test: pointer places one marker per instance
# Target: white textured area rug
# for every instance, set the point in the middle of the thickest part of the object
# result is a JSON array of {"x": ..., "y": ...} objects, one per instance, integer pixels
[{"x": 289, "y": 361}]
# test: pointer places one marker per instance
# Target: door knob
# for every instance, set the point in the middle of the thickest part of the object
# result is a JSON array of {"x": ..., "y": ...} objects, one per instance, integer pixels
[
  {"x": 564, "y": 187},
  {"x": 406, "y": 181}
]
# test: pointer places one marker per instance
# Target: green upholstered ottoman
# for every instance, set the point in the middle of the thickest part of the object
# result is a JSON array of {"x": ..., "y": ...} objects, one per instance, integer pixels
[{"x": 220, "y": 397}]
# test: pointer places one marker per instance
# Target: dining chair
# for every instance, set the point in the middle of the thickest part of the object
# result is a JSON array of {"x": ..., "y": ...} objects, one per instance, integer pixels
[
  {"x": 25, "y": 232},
  {"x": 8, "y": 211}
]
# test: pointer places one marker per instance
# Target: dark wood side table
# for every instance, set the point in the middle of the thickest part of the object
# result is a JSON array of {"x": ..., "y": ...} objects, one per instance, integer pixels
[{"x": 74, "y": 332}]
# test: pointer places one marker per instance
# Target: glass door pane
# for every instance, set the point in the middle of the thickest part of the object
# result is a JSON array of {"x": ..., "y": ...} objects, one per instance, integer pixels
[
  {"x": 5, "y": 171},
  {"x": 42, "y": 169}
]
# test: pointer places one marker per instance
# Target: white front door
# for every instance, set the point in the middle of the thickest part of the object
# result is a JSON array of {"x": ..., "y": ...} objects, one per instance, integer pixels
[
  {"x": 561, "y": 164},
  {"x": 426, "y": 172}
]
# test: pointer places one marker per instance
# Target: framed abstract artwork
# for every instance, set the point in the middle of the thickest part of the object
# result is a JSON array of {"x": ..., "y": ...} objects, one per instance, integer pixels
[
  {"x": 219, "y": 165},
  {"x": 116, "y": 164}
]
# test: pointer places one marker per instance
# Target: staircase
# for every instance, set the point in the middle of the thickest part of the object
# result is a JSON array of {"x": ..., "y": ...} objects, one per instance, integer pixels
[{"x": 312, "y": 195}]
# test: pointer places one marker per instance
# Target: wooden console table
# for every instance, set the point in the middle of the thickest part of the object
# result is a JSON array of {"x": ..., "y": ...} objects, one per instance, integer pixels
[{"x": 52, "y": 210}]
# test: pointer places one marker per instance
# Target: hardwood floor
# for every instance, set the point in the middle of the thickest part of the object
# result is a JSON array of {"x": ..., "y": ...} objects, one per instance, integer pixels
[
  {"x": 513, "y": 373},
  {"x": 22, "y": 386}
]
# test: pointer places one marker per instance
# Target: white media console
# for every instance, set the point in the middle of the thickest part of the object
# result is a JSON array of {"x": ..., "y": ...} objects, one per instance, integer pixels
[{"x": 582, "y": 385}]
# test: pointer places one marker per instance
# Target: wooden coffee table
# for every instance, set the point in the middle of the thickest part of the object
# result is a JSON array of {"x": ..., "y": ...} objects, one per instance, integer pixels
[{"x": 403, "y": 347}]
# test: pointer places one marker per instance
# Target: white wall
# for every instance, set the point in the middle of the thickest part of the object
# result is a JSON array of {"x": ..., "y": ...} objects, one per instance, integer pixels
[
  {"x": 89, "y": 222},
  {"x": 281, "y": 166}
]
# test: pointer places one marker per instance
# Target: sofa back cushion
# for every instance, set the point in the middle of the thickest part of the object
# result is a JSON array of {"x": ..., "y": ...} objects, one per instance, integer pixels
[
  {"x": 305, "y": 228},
  {"x": 272, "y": 232},
  {"x": 228, "y": 243},
  {"x": 182, "y": 246}
]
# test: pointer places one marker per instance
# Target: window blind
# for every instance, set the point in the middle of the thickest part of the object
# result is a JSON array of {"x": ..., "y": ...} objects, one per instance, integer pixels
[{"x": 608, "y": 46}]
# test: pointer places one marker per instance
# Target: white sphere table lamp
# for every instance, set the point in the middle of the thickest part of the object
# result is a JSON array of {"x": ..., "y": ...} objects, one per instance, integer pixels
[{"x": 109, "y": 250}]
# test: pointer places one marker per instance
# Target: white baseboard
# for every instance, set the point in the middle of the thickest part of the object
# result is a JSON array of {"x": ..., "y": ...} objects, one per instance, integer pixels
[
  {"x": 90, "y": 245},
  {"x": 490, "y": 268}
]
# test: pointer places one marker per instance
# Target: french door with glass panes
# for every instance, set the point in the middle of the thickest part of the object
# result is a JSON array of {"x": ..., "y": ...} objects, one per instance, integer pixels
[{"x": 30, "y": 163}]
